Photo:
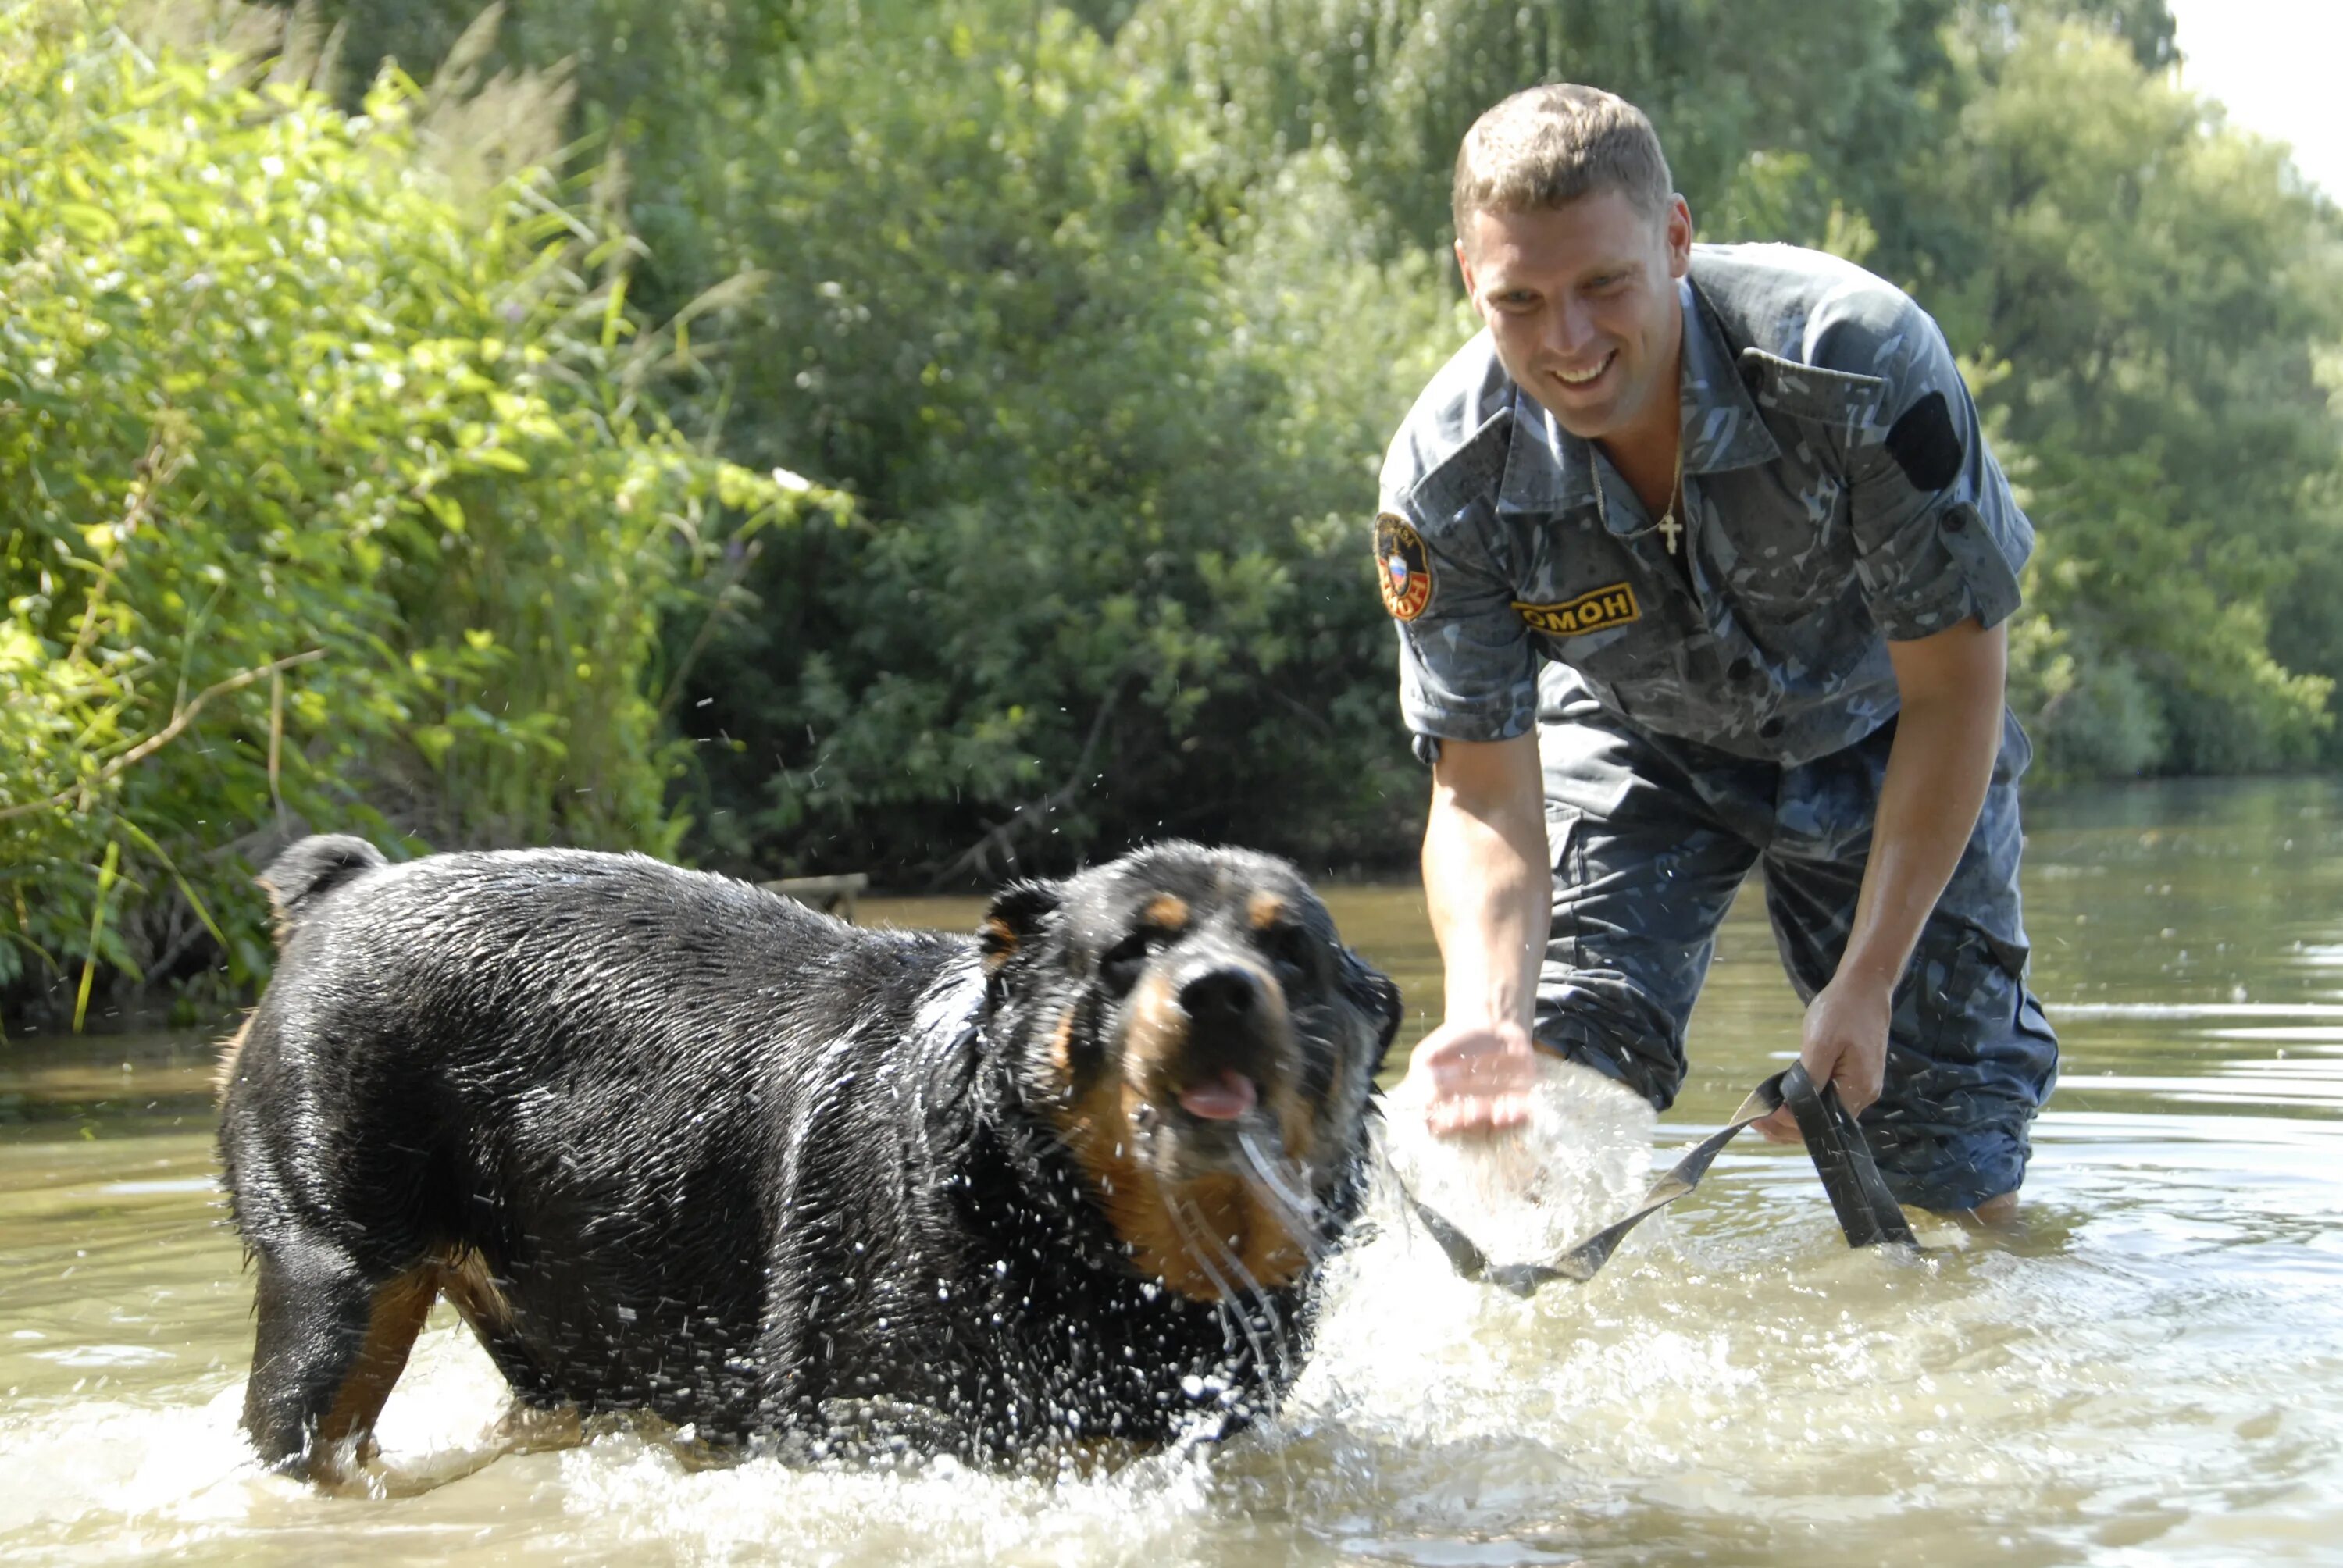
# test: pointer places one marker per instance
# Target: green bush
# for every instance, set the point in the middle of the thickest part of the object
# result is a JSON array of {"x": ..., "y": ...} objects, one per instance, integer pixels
[
  {"x": 323, "y": 503},
  {"x": 1114, "y": 448},
  {"x": 2163, "y": 291}
]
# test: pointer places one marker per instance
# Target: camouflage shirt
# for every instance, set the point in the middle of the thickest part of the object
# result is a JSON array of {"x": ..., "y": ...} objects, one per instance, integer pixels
[{"x": 1838, "y": 493}]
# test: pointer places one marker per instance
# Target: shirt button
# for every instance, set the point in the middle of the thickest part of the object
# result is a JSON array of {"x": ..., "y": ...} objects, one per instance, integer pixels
[
  {"x": 1956, "y": 520},
  {"x": 1738, "y": 669},
  {"x": 1771, "y": 728}
]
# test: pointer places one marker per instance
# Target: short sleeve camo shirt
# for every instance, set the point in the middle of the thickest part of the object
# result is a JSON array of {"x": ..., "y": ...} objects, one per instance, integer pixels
[{"x": 1837, "y": 494}]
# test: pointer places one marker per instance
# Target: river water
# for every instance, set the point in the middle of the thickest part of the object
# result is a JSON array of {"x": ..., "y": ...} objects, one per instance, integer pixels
[{"x": 2153, "y": 1372}]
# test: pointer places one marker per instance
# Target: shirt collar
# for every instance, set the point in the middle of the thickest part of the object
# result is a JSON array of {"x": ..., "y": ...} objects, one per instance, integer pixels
[{"x": 1548, "y": 470}]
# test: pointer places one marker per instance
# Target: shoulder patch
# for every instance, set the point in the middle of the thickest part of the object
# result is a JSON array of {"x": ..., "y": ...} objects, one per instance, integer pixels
[
  {"x": 1402, "y": 567},
  {"x": 1590, "y": 611},
  {"x": 1924, "y": 445},
  {"x": 1814, "y": 392}
]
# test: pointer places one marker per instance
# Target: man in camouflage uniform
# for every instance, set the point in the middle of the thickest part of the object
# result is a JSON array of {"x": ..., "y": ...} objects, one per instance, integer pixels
[{"x": 1698, "y": 560}]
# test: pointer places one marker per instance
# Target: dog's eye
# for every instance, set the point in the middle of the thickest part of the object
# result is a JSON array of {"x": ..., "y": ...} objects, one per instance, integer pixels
[
  {"x": 1121, "y": 967},
  {"x": 1292, "y": 953}
]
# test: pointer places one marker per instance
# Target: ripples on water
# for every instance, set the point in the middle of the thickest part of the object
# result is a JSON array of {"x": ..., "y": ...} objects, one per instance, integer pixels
[{"x": 2154, "y": 1371}]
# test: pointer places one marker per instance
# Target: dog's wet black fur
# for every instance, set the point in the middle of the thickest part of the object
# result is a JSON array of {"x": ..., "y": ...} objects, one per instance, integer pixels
[{"x": 670, "y": 1143}]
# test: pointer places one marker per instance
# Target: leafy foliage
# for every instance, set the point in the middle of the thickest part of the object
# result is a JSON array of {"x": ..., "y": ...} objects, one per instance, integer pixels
[
  {"x": 1766, "y": 116},
  {"x": 321, "y": 501},
  {"x": 2162, "y": 290},
  {"x": 1107, "y": 443}
]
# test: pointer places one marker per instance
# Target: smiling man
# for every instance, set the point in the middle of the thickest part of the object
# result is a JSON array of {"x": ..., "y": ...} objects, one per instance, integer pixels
[{"x": 1699, "y": 562}]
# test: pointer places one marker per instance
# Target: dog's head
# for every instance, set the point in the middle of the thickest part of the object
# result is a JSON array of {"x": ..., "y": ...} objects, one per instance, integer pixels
[{"x": 1191, "y": 1027}]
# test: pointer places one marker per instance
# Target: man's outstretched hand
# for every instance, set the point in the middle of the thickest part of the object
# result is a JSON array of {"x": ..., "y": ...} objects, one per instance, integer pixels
[
  {"x": 1847, "y": 1044},
  {"x": 1473, "y": 1077}
]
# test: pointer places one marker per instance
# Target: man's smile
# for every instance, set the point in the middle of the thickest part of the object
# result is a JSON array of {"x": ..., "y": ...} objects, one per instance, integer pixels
[{"x": 1579, "y": 379}]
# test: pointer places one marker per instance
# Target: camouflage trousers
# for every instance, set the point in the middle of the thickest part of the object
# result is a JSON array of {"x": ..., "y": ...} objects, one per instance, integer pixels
[{"x": 1652, "y": 836}]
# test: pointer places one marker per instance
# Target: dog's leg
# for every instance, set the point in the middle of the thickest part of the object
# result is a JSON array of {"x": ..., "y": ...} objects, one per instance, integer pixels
[
  {"x": 472, "y": 1290},
  {"x": 327, "y": 1350}
]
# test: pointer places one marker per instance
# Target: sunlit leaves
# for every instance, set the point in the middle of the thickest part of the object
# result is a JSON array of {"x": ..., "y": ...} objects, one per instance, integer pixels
[
  {"x": 2163, "y": 292},
  {"x": 288, "y": 396},
  {"x": 1105, "y": 432}
]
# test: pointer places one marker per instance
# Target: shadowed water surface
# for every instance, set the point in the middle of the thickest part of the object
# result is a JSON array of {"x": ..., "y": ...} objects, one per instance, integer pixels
[{"x": 2154, "y": 1372}]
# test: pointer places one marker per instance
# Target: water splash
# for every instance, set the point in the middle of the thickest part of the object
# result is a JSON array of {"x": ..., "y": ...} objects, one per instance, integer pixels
[{"x": 1580, "y": 1161}]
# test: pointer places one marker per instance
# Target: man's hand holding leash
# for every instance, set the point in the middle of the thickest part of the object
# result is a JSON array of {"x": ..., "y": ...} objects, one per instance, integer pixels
[{"x": 1947, "y": 736}]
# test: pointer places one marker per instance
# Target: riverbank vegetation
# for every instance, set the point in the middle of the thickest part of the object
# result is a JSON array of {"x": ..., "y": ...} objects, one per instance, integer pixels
[{"x": 402, "y": 412}]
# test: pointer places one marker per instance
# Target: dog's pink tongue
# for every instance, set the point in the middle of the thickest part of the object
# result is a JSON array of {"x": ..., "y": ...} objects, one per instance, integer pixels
[{"x": 1222, "y": 1099}]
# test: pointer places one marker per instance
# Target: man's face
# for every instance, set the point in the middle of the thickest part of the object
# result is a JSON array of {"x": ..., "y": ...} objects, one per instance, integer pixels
[{"x": 1582, "y": 302}]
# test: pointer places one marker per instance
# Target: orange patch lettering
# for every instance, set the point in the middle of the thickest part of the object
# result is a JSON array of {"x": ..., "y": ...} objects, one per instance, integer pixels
[{"x": 1593, "y": 611}]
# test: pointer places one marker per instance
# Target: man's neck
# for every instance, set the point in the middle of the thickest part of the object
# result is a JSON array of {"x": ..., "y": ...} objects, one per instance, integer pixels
[{"x": 1645, "y": 450}]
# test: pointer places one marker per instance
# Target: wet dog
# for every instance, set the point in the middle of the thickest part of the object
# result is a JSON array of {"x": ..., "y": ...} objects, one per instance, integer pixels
[{"x": 670, "y": 1143}]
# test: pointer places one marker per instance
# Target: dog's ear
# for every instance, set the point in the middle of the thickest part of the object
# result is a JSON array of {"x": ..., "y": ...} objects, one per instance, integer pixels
[
  {"x": 1015, "y": 920},
  {"x": 1372, "y": 992}
]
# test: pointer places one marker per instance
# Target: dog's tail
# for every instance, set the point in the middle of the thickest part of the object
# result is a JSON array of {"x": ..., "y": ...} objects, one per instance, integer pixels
[{"x": 312, "y": 868}]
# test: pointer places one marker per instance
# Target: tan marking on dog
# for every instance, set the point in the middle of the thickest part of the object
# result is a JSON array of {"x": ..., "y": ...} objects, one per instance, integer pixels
[
  {"x": 1218, "y": 1227},
  {"x": 1167, "y": 910},
  {"x": 474, "y": 1292},
  {"x": 1230, "y": 1214},
  {"x": 399, "y": 1308},
  {"x": 1000, "y": 942},
  {"x": 280, "y": 918},
  {"x": 1157, "y": 1031},
  {"x": 224, "y": 1071},
  {"x": 1265, "y": 909},
  {"x": 1297, "y": 1128},
  {"x": 1062, "y": 1053},
  {"x": 1181, "y": 1233}
]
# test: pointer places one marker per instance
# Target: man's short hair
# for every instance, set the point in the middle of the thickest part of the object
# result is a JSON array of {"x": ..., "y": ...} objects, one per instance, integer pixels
[{"x": 1547, "y": 146}]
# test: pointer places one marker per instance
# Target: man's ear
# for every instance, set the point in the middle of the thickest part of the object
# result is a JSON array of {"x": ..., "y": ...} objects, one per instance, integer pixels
[
  {"x": 1676, "y": 232},
  {"x": 1464, "y": 267},
  {"x": 1020, "y": 911}
]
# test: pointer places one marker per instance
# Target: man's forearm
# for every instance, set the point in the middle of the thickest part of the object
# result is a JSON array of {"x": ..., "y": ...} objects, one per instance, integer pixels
[
  {"x": 1487, "y": 881},
  {"x": 1938, "y": 767}
]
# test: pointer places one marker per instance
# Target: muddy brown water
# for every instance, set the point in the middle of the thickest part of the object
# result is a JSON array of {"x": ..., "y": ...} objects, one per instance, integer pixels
[{"x": 2154, "y": 1372}]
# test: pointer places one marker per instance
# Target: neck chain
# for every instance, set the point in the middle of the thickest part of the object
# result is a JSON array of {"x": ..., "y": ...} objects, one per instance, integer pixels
[{"x": 1670, "y": 529}]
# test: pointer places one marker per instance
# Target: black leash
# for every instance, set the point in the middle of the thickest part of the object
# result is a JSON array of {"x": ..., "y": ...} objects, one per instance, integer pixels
[{"x": 1842, "y": 1159}]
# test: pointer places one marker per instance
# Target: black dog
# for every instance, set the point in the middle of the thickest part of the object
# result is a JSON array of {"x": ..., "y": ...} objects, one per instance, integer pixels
[{"x": 670, "y": 1143}]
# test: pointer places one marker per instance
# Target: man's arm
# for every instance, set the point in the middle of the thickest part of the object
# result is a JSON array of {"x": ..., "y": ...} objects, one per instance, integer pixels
[
  {"x": 1947, "y": 739},
  {"x": 1489, "y": 886}
]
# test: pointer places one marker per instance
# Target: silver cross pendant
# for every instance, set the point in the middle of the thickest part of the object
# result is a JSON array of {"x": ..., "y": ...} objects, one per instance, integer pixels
[{"x": 1670, "y": 528}]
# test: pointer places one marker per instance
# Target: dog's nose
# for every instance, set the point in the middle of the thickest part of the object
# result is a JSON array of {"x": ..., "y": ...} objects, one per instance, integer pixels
[{"x": 1224, "y": 995}]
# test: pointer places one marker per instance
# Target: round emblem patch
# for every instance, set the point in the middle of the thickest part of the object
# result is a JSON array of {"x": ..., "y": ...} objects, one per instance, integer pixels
[{"x": 1402, "y": 567}]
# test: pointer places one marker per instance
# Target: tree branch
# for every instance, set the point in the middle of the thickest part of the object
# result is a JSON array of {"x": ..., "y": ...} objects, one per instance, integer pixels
[
  {"x": 165, "y": 736},
  {"x": 977, "y": 857}
]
